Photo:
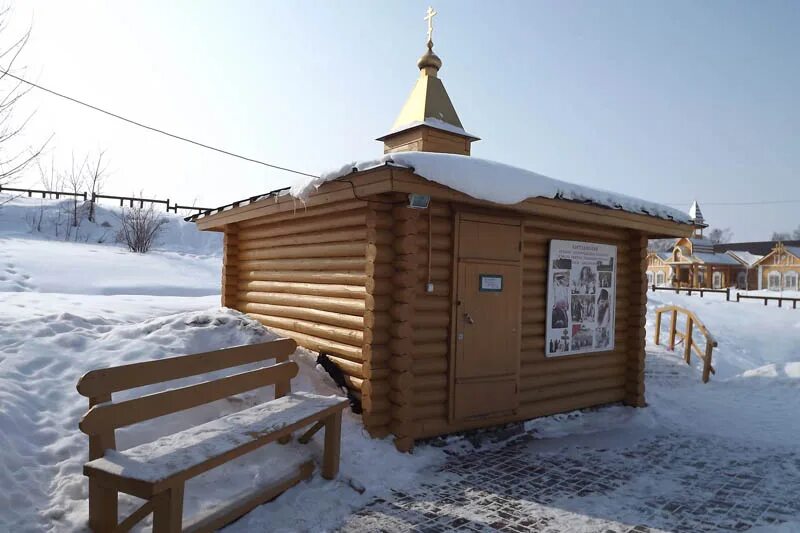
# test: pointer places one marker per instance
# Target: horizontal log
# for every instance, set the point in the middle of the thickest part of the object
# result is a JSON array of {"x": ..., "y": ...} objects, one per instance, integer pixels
[
  {"x": 378, "y": 302},
  {"x": 441, "y": 274},
  {"x": 350, "y": 234},
  {"x": 401, "y": 330},
  {"x": 566, "y": 379},
  {"x": 377, "y": 354},
  {"x": 330, "y": 250},
  {"x": 432, "y": 410},
  {"x": 439, "y": 226},
  {"x": 299, "y": 212},
  {"x": 432, "y": 349},
  {"x": 536, "y": 363},
  {"x": 350, "y": 306},
  {"x": 401, "y": 380},
  {"x": 307, "y": 276},
  {"x": 375, "y": 404},
  {"x": 315, "y": 289},
  {"x": 354, "y": 383},
  {"x": 376, "y": 419},
  {"x": 423, "y": 335},
  {"x": 430, "y": 382},
  {"x": 438, "y": 397},
  {"x": 535, "y": 226},
  {"x": 305, "y": 313},
  {"x": 318, "y": 344},
  {"x": 377, "y": 319},
  {"x": 379, "y": 270},
  {"x": 375, "y": 387},
  {"x": 570, "y": 403},
  {"x": 352, "y": 337},
  {"x": 539, "y": 394},
  {"x": 431, "y": 319},
  {"x": 429, "y": 303},
  {"x": 347, "y": 219},
  {"x": 339, "y": 264},
  {"x": 438, "y": 241},
  {"x": 422, "y": 367}
]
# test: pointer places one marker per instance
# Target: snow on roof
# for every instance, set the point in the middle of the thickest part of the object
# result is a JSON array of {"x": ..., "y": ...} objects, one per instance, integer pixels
[
  {"x": 716, "y": 259},
  {"x": 493, "y": 182},
  {"x": 433, "y": 123},
  {"x": 745, "y": 256}
]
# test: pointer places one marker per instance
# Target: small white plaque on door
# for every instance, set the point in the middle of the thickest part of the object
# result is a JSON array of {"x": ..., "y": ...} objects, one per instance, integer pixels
[{"x": 491, "y": 282}]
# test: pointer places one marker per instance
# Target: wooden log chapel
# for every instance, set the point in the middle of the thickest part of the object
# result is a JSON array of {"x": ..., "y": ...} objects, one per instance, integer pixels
[{"x": 453, "y": 292}]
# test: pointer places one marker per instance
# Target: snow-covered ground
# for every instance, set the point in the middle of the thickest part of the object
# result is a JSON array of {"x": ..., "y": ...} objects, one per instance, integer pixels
[
  {"x": 69, "y": 307},
  {"x": 66, "y": 308}
]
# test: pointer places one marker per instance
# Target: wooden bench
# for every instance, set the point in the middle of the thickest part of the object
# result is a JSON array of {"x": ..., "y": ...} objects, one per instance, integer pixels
[{"x": 156, "y": 471}]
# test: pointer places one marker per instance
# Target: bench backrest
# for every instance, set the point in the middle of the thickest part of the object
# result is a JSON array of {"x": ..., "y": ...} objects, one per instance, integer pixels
[{"x": 105, "y": 416}]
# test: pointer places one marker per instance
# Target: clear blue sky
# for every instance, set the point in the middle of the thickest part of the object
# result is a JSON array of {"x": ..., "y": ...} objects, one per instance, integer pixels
[{"x": 668, "y": 101}]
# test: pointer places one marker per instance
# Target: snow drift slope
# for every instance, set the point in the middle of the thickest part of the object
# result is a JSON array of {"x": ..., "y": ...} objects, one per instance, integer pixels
[
  {"x": 185, "y": 262},
  {"x": 39, "y": 218}
]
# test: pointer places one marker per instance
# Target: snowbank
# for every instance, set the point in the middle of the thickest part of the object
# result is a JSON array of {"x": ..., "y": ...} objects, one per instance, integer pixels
[
  {"x": 46, "y": 219},
  {"x": 492, "y": 181},
  {"x": 43, "y": 453}
]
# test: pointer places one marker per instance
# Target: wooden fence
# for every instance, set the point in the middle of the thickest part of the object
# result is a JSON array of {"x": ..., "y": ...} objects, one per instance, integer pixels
[
  {"x": 687, "y": 337},
  {"x": 53, "y": 194},
  {"x": 132, "y": 201},
  {"x": 689, "y": 291},
  {"x": 780, "y": 299}
]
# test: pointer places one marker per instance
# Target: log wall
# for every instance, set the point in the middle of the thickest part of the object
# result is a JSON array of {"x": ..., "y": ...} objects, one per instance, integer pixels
[
  {"x": 547, "y": 385},
  {"x": 322, "y": 276}
]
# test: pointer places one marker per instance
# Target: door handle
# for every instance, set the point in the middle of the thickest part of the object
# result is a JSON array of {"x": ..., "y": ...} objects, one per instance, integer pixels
[{"x": 468, "y": 318}]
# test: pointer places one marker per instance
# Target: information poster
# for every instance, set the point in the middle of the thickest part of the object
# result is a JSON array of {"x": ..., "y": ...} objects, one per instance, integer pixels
[{"x": 581, "y": 296}]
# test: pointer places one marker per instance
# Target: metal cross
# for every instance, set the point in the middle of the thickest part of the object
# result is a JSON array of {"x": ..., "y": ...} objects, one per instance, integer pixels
[{"x": 429, "y": 17}]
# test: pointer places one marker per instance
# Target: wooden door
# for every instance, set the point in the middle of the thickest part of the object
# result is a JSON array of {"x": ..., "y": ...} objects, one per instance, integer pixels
[{"x": 487, "y": 320}]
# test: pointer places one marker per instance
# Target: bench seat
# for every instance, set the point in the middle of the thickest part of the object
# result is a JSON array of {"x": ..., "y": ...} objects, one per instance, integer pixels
[{"x": 185, "y": 454}]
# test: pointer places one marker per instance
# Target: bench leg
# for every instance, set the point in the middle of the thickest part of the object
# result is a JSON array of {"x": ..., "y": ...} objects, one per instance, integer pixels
[
  {"x": 168, "y": 511},
  {"x": 102, "y": 507},
  {"x": 333, "y": 443}
]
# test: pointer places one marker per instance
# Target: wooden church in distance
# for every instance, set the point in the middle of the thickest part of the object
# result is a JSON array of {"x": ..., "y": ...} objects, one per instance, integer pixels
[{"x": 424, "y": 275}]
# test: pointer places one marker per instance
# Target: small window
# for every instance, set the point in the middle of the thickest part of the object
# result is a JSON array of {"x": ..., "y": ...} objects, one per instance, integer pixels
[
  {"x": 741, "y": 280},
  {"x": 790, "y": 281},
  {"x": 650, "y": 278},
  {"x": 717, "y": 280},
  {"x": 660, "y": 279}
]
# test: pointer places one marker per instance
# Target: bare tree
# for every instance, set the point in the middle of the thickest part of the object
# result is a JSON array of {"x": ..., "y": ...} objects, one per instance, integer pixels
[
  {"x": 780, "y": 236},
  {"x": 75, "y": 180},
  {"x": 140, "y": 228},
  {"x": 13, "y": 159},
  {"x": 720, "y": 235},
  {"x": 95, "y": 180}
]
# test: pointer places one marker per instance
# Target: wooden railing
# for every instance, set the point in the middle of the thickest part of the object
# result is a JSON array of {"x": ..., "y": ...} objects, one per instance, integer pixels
[
  {"x": 689, "y": 291},
  {"x": 780, "y": 299},
  {"x": 132, "y": 201},
  {"x": 687, "y": 337}
]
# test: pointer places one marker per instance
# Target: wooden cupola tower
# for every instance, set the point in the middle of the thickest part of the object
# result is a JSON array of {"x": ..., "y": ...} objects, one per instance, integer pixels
[{"x": 428, "y": 121}]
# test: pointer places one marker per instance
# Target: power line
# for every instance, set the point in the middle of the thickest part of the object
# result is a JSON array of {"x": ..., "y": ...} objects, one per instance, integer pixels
[
  {"x": 157, "y": 130},
  {"x": 762, "y": 202}
]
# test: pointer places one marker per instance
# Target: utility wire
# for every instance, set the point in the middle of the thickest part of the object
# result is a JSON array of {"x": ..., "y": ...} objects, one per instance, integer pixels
[
  {"x": 762, "y": 202},
  {"x": 151, "y": 128}
]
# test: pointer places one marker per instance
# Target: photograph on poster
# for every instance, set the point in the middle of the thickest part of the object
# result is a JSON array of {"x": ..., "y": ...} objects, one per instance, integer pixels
[{"x": 581, "y": 289}]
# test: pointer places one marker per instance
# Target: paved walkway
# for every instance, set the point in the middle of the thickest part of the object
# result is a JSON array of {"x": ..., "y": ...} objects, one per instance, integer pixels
[{"x": 626, "y": 480}]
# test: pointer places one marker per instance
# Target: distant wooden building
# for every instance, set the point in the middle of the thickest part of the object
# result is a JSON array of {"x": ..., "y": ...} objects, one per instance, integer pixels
[
  {"x": 444, "y": 309},
  {"x": 696, "y": 262},
  {"x": 780, "y": 268}
]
